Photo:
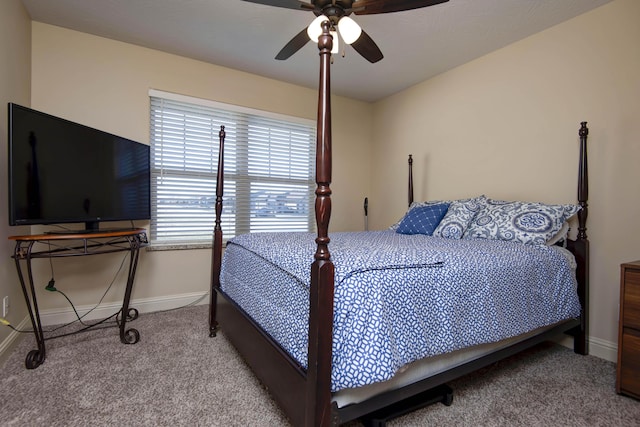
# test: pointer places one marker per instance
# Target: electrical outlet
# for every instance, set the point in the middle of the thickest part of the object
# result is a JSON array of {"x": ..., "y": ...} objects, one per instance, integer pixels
[{"x": 5, "y": 306}]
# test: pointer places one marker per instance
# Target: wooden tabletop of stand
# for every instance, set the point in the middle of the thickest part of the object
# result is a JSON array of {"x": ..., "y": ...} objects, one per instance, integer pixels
[{"x": 63, "y": 235}]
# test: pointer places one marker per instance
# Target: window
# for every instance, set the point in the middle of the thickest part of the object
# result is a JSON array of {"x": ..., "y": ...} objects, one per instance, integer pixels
[{"x": 269, "y": 163}]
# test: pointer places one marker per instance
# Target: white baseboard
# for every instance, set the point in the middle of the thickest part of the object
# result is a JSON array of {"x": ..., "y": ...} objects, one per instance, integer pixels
[
  {"x": 603, "y": 349},
  {"x": 7, "y": 344},
  {"x": 143, "y": 305}
]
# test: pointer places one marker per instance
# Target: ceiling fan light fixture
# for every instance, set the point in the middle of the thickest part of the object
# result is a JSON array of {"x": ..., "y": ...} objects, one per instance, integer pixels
[
  {"x": 314, "y": 30},
  {"x": 349, "y": 30}
]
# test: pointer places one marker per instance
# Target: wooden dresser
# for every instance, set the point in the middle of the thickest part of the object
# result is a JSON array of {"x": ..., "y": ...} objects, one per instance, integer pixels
[{"x": 628, "y": 370}]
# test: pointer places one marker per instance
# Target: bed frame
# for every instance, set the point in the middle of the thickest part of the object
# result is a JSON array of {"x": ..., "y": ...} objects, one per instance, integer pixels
[{"x": 304, "y": 394}]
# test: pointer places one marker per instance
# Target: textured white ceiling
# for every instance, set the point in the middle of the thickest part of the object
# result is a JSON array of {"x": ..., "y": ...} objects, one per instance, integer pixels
[{"x": 417, "y": 44}]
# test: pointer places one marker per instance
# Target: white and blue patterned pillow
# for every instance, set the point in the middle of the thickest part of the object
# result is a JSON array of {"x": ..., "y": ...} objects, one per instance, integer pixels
[
  {"x": 459, "y": 217},
  {"x": 422, "y": 219},
  {"x": 561, "y": 236},
  {"x": 525, "y": 222}
]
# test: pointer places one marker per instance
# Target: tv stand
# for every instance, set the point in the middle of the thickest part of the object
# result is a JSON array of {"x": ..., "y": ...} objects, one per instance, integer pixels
[{"x": 69, "y": 244}]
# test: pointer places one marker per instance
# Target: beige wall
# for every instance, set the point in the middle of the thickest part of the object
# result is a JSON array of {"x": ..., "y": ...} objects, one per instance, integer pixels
[
  {"x": 15, "y": 86},
  {"x": 104, "y": 84},
  {"x": 506, "y": 125}
]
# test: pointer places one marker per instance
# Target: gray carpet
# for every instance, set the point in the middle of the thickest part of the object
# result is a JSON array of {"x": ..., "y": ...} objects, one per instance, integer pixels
[{"x": 177, "y": 375}]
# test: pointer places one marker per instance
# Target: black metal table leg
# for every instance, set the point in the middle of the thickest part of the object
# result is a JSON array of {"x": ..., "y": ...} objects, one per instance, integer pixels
[
  {"x": 35, "y": 357},
  {"x": 130, "y": 336}
]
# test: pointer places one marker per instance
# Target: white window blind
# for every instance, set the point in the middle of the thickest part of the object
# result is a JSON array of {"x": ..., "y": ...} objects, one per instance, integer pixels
[{"x": 269, "y": 163}]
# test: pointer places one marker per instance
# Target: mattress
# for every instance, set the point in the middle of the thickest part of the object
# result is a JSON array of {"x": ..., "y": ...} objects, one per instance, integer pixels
[{"x": 399, "y": 298}]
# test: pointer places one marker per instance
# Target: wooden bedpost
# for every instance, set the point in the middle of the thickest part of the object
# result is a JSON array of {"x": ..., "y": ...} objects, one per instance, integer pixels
[
  {"x": 410, "y": 186},
  {"x": 318, "y": 395},
  {"x": 216, "y": 261},
  {"x": 580, "y": 247},
  {"x": 583, "y": 182}
]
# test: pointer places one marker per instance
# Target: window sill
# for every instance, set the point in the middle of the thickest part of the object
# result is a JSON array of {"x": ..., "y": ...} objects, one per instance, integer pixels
[{"x": 177, "y": 246}]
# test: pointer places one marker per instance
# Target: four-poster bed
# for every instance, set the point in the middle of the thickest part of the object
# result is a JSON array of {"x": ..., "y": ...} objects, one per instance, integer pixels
[{"x": 306, "y": 389}]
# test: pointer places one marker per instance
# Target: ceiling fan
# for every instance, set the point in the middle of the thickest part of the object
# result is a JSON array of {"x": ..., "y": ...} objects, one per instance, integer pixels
[{"x": 337, "y": 13}]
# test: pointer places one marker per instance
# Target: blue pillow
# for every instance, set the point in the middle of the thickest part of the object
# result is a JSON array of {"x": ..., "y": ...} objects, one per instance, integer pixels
[{"x": 422, "y": 219}]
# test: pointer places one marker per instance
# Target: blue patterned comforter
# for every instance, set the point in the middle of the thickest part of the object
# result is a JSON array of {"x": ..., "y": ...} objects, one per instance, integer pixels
[{"x": 399, "y": 298}]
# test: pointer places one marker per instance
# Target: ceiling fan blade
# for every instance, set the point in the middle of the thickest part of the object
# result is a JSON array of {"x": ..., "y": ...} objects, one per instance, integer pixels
[
  {"x": 366, "y": 47},
  {"x": 294, "y": 45},
  {"x": 287, "y": 4},
  {"x": 370, "y": 7}
]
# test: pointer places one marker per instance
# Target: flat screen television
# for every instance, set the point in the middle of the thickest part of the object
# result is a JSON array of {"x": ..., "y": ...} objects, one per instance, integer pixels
[{"x": 65, "y": 172}]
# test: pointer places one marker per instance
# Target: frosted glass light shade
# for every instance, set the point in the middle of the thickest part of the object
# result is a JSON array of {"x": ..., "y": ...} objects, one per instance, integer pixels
[
  {"x": 314, "y": 30},
  {"x": 336, "y": 43},
  {"x": 349, "y": 29}
]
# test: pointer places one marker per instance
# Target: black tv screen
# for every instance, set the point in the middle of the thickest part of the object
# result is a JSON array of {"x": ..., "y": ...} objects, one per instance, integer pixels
[{"x": 65, "y": 172}]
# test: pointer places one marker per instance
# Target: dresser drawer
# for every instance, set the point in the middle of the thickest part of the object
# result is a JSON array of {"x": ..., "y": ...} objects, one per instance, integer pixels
[
  {"x": 631, "y": 299},
  {"x": 629, "y": 376}
]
